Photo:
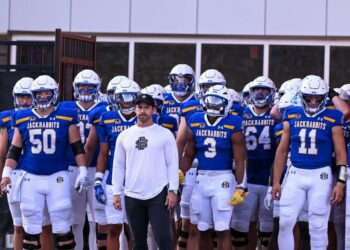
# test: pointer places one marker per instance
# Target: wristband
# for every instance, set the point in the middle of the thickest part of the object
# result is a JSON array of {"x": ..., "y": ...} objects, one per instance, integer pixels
[
  {"x": 342, "y": 174},
  {"x": 241, "y": 186},
  {"x": 7, "y": 172},
  {"x": 98, "y": 177},
  {"x": 83, "y": 170}
]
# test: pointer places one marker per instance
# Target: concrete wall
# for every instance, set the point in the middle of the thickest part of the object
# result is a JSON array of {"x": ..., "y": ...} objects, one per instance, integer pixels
[{"x": 210, "y": 17}]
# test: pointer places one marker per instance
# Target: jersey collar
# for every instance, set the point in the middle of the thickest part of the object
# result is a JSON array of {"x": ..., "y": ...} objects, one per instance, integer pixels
[
  {"x": 89, "y": 109},
  {"x": 39, "y": 116},
  {"x": 124, "y": 119},
  {"x": 187, "y": 99},
  {"x": 208, "y": 122}
]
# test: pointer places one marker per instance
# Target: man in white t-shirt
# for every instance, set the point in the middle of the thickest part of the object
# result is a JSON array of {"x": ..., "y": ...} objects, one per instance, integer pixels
[{"x": 146, "y": 167}]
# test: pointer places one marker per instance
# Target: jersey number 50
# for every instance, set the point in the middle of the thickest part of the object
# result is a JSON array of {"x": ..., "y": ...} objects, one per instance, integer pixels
[{"x": 43, "y": 140}]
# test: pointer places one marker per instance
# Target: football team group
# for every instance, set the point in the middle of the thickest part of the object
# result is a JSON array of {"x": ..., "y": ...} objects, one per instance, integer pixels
[{"x": 258, "y": 168}]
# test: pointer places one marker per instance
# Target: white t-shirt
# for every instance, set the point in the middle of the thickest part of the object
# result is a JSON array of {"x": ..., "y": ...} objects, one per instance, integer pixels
[{"x": 147, "y": 160}]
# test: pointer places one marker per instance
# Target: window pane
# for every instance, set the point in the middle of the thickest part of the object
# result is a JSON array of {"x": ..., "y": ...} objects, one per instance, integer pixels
[
  {"x": 153, "y": 61},
  {"x": 3, "y": 55},
  {"x": 287, "y": 62},
  {"x": 239, "y": 64},
  {"x": 339, "y": 66},
  {"x": 111, "y": 60}
]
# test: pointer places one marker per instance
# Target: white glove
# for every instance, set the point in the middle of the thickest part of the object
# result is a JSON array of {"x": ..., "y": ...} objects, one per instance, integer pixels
[
  {"x": 268, "y": 199},
  {"x": 82, "y": 182}
]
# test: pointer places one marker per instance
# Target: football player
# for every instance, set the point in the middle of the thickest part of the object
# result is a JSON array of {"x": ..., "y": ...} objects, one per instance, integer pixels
[
  {"x": 259, "y": 129},
  {"x": 215, "y": 137},
  {"x": 86, "y": 86},
  {"x": 90, "y": 147},
  {"x": 22, "y": 98},
  {"x": 44, "y": 133},
  {"x": 111, "y": 124},
  {"x": 312, "y": 133},
  {"x": 188, "y": 237}
]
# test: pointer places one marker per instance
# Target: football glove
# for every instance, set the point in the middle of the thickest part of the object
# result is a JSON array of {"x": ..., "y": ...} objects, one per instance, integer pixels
[
  {"x": 181, "y": 177},
  {"x": 238, "y": 197},
  {"x": 268, "y": 199},
  {"x": 99, "y": 192},
  {"x": 82, "y": 182}
]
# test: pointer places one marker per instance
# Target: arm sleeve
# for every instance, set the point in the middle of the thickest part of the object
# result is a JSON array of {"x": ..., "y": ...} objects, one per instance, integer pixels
[
  {"x": 118, "y": 175},
  {"x": 172, "y": 161}
]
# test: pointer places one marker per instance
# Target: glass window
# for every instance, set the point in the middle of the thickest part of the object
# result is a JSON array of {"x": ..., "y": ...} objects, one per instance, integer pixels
[
  {"x": 339, "y": 66},
  {"x": 153, "y": 61},
  {"x": 287, "y": 62},
  {"x": 3, "y": 55},
  {"x": 239, "y": 64},
  {"x": 112, "y": 59}
]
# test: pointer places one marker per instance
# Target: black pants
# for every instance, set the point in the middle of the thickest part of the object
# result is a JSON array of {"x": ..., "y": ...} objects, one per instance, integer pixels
[{"x": 141, "y": 212}]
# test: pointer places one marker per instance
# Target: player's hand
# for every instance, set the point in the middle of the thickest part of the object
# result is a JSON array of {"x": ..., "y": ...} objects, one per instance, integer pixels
[
  {"x": 4, "y": 185},
  {"x": 276, "y": 191},
  {"x": 82, "y": 182},
  {"x": 100, "y": 193},
  {"x": 238, "y": 197},
  {"x": 181, "y": 177},
  {"x": 171, "y": 200},
  {"x": 268, "y": 199},
  {"x": 117, "y": 202},
  {"x": 337, "y": 193}
]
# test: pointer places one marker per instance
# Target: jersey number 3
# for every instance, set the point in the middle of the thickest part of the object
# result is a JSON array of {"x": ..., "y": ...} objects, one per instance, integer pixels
[
  {"x": 211, "y": 143},
  {"x": 43, "y": 140}
]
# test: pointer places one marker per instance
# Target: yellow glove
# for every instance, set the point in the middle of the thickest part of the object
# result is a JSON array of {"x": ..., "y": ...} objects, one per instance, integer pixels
[
  {"x": 238, "y": 197},
  {"x": 181, "y": 177}
]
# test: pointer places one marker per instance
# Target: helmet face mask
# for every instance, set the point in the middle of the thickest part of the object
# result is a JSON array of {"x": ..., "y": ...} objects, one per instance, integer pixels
[
  {"x": 313, "y": 103},
  {"x": 217, "y": 101},
  {"x": 125, "y": 96},
  {"x": 215, "y": 105},
  {"x": 44, "y": 90},
  {"x": 23, "y": 101},
  {"x": 21, "y": 93},
  {"x": 86, "y": 92},
  {"x": 261, "y": 96},
  {"x": 181, "y": 79},
  {"x": 181, "y": 84},
  {"x": 44, "y": 99},
  {"x": 126, "y": 102},
  {"x": 86, "y": 86},
  {"x": 313, "y": 94}
]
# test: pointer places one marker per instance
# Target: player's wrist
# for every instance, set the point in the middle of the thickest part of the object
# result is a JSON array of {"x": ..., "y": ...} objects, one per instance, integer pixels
[
  {"x": 83, "y": 170},
  {"x": 7, "y": 172},
  {"x": 342, "y": 173},
  {"x": 242, "y": 187},
  {"x": 98, "y": 178}
]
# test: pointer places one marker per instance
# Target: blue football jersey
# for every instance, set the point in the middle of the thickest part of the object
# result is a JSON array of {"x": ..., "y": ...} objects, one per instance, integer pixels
[
  {"x": 237, "y": 109},
  {"x": 346, "y": 131},
  {"x": 45, "y": 139},
  {"x": 83, "y": 125},
  {"x": 171, "y": 106},
  {"x": 213, "y": 142},
  {"x": 112, "y": 123},
  {"x": 166, "y": 121},
  {"x": 261, "y": 145},
  {"x": 311, "y": 144},
  {"x": 278, "y": 131},
  {"x": 190, "y": 107},
  {"x": 6, "y": 121}
]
